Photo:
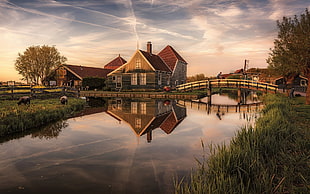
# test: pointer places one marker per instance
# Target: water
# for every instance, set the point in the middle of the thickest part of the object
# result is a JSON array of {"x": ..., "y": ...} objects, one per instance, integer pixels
[{"x": 124, "y": 146}]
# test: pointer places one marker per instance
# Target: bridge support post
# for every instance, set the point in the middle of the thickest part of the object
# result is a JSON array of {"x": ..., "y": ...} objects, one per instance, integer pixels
[
  {"x": 209, "y": 88},
  {"x": 239, "y": 96}
]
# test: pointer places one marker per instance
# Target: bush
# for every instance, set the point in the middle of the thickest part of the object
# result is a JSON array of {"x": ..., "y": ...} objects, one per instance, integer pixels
[{"x": 94, "y": 83}]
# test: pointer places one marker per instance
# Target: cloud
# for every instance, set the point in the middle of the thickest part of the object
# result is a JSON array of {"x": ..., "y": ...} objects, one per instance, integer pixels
[{"x": 94, "y": 32}]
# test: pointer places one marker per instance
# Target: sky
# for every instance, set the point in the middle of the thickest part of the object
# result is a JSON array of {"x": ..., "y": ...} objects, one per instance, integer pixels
[{"x": 211, "y": 35}]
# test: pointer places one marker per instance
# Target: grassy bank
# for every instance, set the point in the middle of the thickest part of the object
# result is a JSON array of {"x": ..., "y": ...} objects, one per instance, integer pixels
[
  {"x": 273, "y": 157},
  {"x": 14, "y": 118}
]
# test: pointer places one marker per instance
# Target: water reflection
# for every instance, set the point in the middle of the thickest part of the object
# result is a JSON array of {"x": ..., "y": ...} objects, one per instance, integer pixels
[
  {"x": 98, "y": 151},
  {"x": 50, "y": 131},
  {"x": 145, "y": 115}
]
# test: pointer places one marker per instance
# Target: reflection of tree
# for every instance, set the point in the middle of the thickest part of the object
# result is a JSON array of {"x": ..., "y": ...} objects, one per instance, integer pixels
[{"x": 50, "y": 131}]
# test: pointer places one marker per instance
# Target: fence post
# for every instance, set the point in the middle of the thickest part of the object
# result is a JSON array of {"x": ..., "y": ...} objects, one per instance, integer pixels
[{"x": 12, "y": 92}]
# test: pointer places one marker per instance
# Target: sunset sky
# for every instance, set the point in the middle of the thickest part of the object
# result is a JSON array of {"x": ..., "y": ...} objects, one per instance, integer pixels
[{"x": 211, "y": 35}]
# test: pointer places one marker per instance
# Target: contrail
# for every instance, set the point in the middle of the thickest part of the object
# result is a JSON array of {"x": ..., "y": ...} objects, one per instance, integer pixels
[
  {"x": 131, "y": 21},
  {"x": 94, "y": 11},
  {"x": 16, "y": 7},
  {"x": 134, "y": 22}
]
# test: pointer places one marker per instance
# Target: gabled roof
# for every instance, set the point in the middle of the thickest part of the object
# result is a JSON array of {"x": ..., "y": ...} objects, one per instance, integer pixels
[
  {"x": 170, "y": 56},
  {"x": 83, "y": 71},
  {"x": 156, "y": 122},
  {"x": 115, "y": 63},
  {"x": 155, "y": 61}
]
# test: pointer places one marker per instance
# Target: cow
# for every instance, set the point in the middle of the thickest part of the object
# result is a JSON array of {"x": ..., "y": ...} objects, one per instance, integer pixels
[
  {"x": 64, "y": 100},
  {"x": 24, "y": 100}
]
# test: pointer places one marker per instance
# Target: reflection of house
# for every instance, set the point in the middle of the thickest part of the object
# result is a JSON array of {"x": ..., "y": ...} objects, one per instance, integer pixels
[
  {"x": 72, "y": 75},
  {"x": 148, "y": 71},
  {"x": 143, "y": 115}
]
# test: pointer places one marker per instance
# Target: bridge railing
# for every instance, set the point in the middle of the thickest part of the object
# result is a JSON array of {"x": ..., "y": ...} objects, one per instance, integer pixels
[{"x": 227, "y": 83}]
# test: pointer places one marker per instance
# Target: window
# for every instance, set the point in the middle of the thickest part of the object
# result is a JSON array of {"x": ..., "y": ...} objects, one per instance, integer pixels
[
  {"x": 134, "y": 107},
  {"x": 134, "y": 79},
  {"x": 168, "y": 79},
  {"x": 61, "y": 72},
  {"x": 159, "y": 78},
  {"x": 143, "y": 108},
  {"x": 138, "y": 63},
  {"x": 138, "y": 123},
  {"x": 142, "y": 78},
  {"x": 303, "y": 82}
]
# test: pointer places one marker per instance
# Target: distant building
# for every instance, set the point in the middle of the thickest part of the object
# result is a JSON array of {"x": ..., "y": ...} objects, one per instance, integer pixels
[
  {"x": 148, "y": 71},
  {"x": 115, "y": 63},
  {"x": 300, "y": 83}
]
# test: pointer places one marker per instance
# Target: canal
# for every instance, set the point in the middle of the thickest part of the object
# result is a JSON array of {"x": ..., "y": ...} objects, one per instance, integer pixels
[{"x": 120, "y": 146}]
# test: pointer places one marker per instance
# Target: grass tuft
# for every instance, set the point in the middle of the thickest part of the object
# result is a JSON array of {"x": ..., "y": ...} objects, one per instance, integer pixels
[{"x": 272, "y": 157}]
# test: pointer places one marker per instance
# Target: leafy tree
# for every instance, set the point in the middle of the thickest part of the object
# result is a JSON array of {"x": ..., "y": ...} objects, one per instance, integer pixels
[
  {"x": 196, "y": 77},
  {"x": 291, "y": 53},
  {"x": 38, "y": 62}
]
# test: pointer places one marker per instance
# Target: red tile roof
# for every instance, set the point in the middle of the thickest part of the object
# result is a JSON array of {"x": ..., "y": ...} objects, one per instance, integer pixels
[
  {"x": 84, "y": 71},
  {"x": 170, "y": 56},
  {"x": 156, "y": 61},
  {"x": 170, "y": 123},
  {"x": 156, "y": 122},
  {"x": 115, "y": 63}
]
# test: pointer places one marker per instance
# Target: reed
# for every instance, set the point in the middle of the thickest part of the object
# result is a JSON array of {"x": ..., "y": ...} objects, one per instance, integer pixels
[
  {"x": 14, "y": 118},
  {"x": 272, "y": 157}
]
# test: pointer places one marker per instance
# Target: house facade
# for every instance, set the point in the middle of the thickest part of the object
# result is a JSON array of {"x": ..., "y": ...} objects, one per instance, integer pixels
[
  {"x": 144, "y": 71},
  {"x": 148, "y": 71}
]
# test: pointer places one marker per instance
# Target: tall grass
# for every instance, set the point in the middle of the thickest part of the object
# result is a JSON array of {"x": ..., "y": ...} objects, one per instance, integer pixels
[
  {"x": 272, "y": 157},
  {"x": 14, "y": 118}
]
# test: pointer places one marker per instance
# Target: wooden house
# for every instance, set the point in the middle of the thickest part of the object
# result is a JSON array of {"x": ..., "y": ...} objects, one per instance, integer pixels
[
  {"x": 145, "y": 115},
  {"x": 148, "y": 71},
  {"x": 72, "y": 75},
  {"x": 176, "y": 63}
]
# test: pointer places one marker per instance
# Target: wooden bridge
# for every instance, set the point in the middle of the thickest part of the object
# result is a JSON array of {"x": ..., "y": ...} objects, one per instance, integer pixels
[
  {"x": 207, "y": 107},
  {"x": 227, "y": 83}
]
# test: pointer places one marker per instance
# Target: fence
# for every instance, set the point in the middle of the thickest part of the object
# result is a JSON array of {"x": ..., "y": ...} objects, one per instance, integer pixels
[{"x": 15, "y": 92}]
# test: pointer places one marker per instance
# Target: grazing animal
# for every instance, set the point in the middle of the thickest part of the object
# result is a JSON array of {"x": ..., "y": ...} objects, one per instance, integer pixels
[
  {"x": 24, "y": 100},
  {"x": 64, "y": 100}
]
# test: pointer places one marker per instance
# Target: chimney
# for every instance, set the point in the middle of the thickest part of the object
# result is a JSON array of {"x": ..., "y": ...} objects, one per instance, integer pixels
[{"x": 149, "y": 47}]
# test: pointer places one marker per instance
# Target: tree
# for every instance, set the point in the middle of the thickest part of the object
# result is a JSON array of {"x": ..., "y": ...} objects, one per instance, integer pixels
[
  {"x": 38, "y": 62},
  {"x": 196, "y": 77},
  {"x": 291, "y": 53}
]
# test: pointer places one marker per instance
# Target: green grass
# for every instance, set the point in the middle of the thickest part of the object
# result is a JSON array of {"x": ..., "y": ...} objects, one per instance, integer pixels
[
  {"x": 14, "y": 118},
  {"x": 272, "y": 157}
]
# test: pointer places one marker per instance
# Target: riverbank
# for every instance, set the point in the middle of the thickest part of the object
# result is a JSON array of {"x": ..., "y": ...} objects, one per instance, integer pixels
[
  {"x": 14, "y": 118},
  {"x": 270, "y": 158}
]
